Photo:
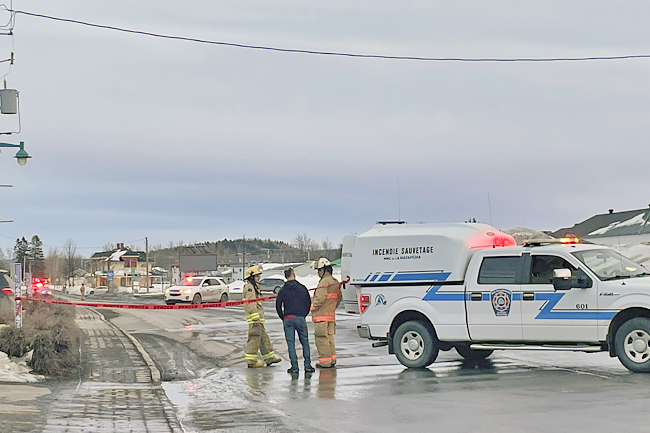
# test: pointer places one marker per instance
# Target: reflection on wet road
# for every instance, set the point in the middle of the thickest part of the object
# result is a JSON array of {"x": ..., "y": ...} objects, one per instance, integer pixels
[{"x": 369, "y": 391}]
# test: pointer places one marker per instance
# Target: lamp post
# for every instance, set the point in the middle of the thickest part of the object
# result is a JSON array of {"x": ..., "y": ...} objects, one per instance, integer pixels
[{"x": 21, "y": 156}]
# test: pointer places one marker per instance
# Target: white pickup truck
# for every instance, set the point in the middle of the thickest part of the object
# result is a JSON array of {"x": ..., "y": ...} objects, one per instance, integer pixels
[{"x": 421, "y": 288}]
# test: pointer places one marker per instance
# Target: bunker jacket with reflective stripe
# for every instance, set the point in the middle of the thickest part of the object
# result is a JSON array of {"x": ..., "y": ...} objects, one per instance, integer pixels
[
  {"x": 254, "y": 310},
  {"x": 326, "y": 298}
]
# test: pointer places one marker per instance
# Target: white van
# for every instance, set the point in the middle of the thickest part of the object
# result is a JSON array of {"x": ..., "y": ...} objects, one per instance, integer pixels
[{"x": 421, "y": 288}]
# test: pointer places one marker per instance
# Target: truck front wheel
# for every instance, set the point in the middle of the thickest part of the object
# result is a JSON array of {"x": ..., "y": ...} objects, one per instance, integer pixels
[
  {"x": 414, "y": 345},
  {"x": 633, "y": 344}
]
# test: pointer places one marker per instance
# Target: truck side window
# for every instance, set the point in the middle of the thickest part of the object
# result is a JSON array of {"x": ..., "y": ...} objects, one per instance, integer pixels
[
  {"x": 499, "y": 270},
  {"x": 542, "y": 267}
]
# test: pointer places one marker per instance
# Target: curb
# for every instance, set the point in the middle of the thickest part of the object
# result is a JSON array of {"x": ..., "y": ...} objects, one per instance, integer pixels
[
  {"x": 168, "y": 408},
  {"x": 155, "y": 373}
]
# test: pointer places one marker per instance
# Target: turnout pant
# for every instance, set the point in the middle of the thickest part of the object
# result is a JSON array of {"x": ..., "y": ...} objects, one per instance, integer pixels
[
  {"x": 324, "y": 338},
  {"x": 258, "y": 339}
]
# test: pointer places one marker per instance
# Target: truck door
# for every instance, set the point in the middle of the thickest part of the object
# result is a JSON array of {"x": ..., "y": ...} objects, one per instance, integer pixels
[
  {"x": 493, "y": 298},
  {"x": 563, "y": 315}
]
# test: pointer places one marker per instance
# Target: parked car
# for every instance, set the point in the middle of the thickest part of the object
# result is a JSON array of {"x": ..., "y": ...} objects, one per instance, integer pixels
[
  {"x": 271, "y": 284},
  {"x": 196, "y": 290},
  {"x": 99, "y": 290}
]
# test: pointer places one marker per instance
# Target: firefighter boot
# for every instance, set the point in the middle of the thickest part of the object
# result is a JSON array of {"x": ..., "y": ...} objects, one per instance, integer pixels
[
  {"x": 273, "y": 360},
  {"x": 255, "y": 365}
]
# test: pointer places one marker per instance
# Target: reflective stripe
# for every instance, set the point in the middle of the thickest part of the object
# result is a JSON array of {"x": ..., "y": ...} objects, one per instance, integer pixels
[
  {"x": 251, "y": 321},
  {"x": 250, "y": 318},
  {"x": 329, "y": 317},
  {"x": 325, "y": 360},
  {"x": 333, "y": 358},
  {"x": 268, "y": 355},
  {"x": 332, "y": 295},
  {"x": 248, "y": 356}
]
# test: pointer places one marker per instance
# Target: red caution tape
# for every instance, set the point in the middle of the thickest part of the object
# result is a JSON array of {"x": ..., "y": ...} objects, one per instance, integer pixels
[{"x": 156, "y": 306}]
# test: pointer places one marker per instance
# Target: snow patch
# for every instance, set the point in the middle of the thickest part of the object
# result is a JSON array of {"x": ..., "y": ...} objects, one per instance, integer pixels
[{"x": 16, "y": 369}]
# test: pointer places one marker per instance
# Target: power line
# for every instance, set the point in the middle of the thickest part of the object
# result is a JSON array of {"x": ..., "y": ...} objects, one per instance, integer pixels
[{"x": 333, "y": 53}]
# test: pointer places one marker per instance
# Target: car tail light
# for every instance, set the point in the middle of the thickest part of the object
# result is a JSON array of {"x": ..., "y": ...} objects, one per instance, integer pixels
[
  {"x": 364, "y": 302},
  {"x": 7, "y": 291}
]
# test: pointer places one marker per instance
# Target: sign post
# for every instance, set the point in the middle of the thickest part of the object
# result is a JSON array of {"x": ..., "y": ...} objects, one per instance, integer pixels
[{"x": 18, "y": 293}]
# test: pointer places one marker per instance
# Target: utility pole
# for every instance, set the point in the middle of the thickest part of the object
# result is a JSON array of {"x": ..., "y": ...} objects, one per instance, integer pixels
[
  {"x": 146, "y": 255},
  {"x": 243, "y": 257}
]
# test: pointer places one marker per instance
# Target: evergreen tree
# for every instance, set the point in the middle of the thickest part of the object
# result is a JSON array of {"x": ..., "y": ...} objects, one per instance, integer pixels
[
  {"x": 21, "y": 252},
  {"x": 37, "y": 257}
]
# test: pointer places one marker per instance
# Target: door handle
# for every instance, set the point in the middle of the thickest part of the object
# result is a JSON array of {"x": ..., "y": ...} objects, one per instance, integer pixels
[
  {"x": 476, "y": 296},
  {"x": 528, "y": 296}
]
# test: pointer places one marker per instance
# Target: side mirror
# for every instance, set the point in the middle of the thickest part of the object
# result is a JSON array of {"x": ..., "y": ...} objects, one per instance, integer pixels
[
  {"x": 562, "y": 280},
  {"x": 562, "y": 273}
]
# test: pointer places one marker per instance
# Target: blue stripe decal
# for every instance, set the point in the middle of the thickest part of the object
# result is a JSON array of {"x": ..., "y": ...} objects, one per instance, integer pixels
[
  {"x": 552, "y": 300},
  {"x": 367, "y": 277},
  {"x": 422, "y": 276},
  {"x": 385, "y": 277},
  {"x": 433, "y": 295},
  {"x": 374, "y": 277}
]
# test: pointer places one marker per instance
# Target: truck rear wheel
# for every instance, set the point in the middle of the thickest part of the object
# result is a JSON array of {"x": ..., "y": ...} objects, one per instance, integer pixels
[
  {"x": 633, "y": 344},
  {"x": 472, "y": 354},
  {"x": 414, "y": 345}
]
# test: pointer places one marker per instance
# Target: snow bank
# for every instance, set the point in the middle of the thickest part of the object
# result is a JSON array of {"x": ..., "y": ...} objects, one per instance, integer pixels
[
  {"x": 522, "y": 234},
  {"x": 639, "y": 253},
  {"x": 16, "y": 369},
  {"x": 309, "y": 281}
]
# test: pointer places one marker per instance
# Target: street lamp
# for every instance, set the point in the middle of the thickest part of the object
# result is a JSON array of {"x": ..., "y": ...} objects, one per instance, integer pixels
[{"x": 21, "y": 155}]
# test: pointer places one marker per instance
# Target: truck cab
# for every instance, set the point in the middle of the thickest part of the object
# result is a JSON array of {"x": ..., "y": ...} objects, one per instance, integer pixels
[{"x": 476, "y": 298}]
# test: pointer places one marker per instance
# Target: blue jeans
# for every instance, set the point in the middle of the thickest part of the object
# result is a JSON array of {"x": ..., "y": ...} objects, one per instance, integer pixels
[{"x": 291, "y": 326}]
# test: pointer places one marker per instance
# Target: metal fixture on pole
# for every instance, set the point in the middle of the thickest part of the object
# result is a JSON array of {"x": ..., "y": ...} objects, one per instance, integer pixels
[{"x": 21, "y": 156}]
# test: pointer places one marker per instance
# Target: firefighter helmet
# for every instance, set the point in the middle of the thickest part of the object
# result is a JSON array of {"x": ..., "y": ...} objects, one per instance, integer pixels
[
  {"x": 253, "y": 270},
  {"x": 320, "y": 263}
]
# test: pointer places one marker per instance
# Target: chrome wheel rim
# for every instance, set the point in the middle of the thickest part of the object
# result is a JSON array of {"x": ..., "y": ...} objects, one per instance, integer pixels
[
  {"x": 637, "y": 346},
  {"x": 412, "y": 345}
]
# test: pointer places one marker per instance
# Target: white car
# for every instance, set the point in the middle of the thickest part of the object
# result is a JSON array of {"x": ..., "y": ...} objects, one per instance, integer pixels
[{"x": 196, "y": 290}]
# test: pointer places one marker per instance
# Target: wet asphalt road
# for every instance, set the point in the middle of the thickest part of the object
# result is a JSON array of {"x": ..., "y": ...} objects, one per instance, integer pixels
[{"x": 200, "y": 355}]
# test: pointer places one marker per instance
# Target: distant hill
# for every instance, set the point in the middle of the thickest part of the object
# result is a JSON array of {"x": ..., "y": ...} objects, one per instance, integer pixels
[
  {"x": 230, "y": 252},
  {"x": 522, "y": 234}
]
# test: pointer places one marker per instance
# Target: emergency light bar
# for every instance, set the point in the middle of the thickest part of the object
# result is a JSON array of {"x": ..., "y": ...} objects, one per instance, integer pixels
[{"x": 540, "y": 242}]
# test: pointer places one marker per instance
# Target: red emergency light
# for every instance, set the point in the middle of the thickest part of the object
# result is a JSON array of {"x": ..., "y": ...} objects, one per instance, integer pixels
[
  {"x": 364, "y": 302},
  {"x": 491, "y": 240}
]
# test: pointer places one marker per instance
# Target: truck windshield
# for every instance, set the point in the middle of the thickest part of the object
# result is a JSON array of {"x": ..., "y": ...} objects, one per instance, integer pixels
[{"x": 609, "y": 265}]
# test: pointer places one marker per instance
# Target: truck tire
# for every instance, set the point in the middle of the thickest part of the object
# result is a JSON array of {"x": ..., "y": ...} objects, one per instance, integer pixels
[
  {"x": 414, "y": 345},
  {"x": 632, "y": 343},
  {"x": 473, "y": 354}
]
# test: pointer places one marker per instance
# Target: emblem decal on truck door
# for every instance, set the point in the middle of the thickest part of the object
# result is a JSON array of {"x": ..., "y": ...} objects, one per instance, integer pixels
[
  {"x": 380, "y": 300},
  {"x": 501, "y": 300}
]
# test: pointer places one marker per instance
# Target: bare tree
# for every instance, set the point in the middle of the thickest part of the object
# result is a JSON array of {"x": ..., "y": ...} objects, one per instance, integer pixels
[
  {"x": 69, "y": 258},
  {"x": 109, "y": 246},
  {"x": 305, "y": 244},
  {"x": 327, "y": 244}
]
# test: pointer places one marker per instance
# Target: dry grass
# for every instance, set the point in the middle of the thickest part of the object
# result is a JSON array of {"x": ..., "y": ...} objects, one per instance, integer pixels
[{"x": 53, "y": 334}]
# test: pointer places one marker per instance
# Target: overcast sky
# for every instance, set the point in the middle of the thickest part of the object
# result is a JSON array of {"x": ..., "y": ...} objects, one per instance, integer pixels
[{"x": 134, "y": 136}]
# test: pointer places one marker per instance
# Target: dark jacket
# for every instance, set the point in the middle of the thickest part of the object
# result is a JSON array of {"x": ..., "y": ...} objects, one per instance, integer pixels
[{"x": 293, "y": 300}]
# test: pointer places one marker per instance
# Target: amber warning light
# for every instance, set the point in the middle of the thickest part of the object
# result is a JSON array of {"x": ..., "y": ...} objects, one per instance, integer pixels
[{"x": 569, "y": 240}]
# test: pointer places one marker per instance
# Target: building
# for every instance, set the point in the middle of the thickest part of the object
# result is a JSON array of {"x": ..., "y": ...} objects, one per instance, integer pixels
[
  {"x": 129, "y": 268},
  {"x": 612, "y": 228}
]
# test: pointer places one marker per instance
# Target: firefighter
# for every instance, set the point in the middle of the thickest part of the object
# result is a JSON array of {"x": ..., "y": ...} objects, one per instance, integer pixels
[
  {"x": 258, "y": 339},
  {"x": 326, "y": 298}
]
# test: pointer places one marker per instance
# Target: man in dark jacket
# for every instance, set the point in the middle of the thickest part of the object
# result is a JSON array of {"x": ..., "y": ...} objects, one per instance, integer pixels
[{"x": 293, "y": 304}]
